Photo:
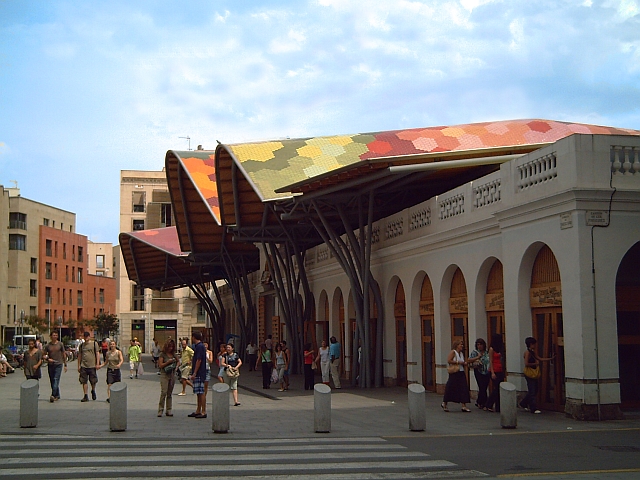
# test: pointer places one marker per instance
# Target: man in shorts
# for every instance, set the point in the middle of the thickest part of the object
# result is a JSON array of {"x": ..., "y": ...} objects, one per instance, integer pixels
[
  {"x": 199, "y": 375},
  {"x": 185, "y": 366},
  {"x": 88, "y": 363},
  {"x": 134, "y": 357}
]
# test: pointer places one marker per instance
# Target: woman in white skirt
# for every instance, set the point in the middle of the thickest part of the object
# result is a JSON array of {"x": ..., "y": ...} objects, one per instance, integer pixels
[{"x": 323, "y": 359}]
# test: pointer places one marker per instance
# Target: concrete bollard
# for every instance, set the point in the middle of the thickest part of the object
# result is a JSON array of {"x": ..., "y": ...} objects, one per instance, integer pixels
[
  {"x": 220, "y": 407},
  {"x": 118, "y": 407},
  {"x": 417, "y": 408},
  {"x": 29, "y": 403},
  {"x": 322, "y": 408},
  {"x": 508, "y": 405}
]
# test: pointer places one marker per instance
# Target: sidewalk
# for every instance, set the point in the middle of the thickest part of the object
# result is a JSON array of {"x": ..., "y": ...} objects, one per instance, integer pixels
[{"x": 355, "y": 412}]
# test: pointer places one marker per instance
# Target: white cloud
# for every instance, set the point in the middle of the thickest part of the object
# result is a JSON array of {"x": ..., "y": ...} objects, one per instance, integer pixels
[{"x": 293, "y": 42}]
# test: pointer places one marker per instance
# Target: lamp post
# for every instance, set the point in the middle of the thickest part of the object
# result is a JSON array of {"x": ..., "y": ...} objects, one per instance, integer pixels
[
  {"x": 60, "y": 324},
  {"x": 22, "y": 325}
]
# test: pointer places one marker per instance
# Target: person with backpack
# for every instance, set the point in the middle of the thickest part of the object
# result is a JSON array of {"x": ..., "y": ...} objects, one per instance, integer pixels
[{"x": 88, "y": 364}]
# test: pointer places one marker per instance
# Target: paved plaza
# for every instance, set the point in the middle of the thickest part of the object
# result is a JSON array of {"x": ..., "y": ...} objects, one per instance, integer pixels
[{"x": 271, "y": 434}]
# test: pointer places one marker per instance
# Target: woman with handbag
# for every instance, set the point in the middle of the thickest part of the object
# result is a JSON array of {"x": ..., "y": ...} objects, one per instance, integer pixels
[
  {"x": 324, "y": 360},
  {"x": 496, "y": 367},
  {"x": 308, "y": 367},
  {"x": 480, "y": 365},
  {"x": 531, "y": 375},
  {"x": 456, "y": 390},
  {"x": 168, "y": 362},
  {"x": 264, "y": 360},
  {"x": 280, "y": 363},
  {"x": 222, "y": 351},
  {"x": 232, "y": 363},
  {"x": 115, "y": 359}
]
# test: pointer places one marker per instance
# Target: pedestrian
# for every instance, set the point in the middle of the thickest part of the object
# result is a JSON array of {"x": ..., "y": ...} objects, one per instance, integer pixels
[
  {"x": 324, "y": 360},
  {"x": 4, "y": 365},
  {"x": 104, "y": 346},
  {"x": 480, "y": 367},
  {"x": 232, "y": 363},
  {"x": 264, "y": 360},
  {"x": 155, "y": 353},
  {"x": 222, "y": 351},
  {"x": 168, "y": 362},
  {"x": 335, "y": 351},
  {"x": 209, "y": 362},
  {"x": 269, "y": 342},
  {"x": 280, "y": 364},
  {"x": 456, "y": 388},
  {"x": 496, "y": 368},
  {"x": 198, "y": 374},
  {"x": 185, "y": 366},
  {"x": 287, "y": 356},
  {"x": 308, "y": 366},
  {"x": 252, "y": 355},
  {"x": 532, "y": 374},
  {"x": 56, "y": 358},
  {"x": 32, "y": 361},
  {"x": 115, "y": 359},
  {"x": 134, "y": 358},
  {"x": 88, "y": 363}
]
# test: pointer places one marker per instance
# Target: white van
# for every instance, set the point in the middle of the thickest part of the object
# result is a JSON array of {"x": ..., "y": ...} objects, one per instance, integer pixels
[{"x": 21, "y": 342}]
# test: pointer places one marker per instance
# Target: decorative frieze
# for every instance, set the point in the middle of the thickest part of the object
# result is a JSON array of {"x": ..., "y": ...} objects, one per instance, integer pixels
[
  {"x": 625, "y": 160},
  {"x": 394, "y": 229},
  {"x": 322, "y": 254},
  {"x": 375, "y": 234},
  {"x": 487, "y": 194},
  {"x": 537, "y": 171},
  {"x": 452, "y": 206},
  {"x": 420, "y": 218}
]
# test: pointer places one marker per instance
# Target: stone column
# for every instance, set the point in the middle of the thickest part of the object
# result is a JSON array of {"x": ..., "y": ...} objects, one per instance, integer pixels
[
  {"x": 322, "y": 408},
  {"x": 220, "y": 408},
  {"x": 508, "y": 405},
  {"x": 118, "y": 407},
  {"x": 29, "y": 403},
  {"x": 417, "y": 407}
]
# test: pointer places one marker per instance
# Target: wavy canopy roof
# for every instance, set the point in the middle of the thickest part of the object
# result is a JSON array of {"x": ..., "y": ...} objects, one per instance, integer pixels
[{"x": 270, "y": 166}]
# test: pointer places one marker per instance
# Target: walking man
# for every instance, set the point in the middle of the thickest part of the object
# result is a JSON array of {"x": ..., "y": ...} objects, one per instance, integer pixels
[
  {"x": 199, "y": 374},
  {"x": 56, "y": 357},
  {"x": 134, "y": 358},
  {"x": 335, "y": 351},
  {"x": 185, "y": 366},
  {"x": 88, "y": 363}
]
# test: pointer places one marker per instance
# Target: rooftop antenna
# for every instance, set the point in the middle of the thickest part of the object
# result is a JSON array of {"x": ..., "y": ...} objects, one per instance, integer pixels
[
  {"x": 188, "y": 138},
  {"x": 15, "y": 183}
]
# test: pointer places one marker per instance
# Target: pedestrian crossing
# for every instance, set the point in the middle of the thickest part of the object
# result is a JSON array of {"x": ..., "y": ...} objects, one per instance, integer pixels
[{"x": 77, "y": 457}]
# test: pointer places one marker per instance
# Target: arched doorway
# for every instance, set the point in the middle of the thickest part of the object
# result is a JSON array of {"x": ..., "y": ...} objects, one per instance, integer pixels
[
  {"x": 400, "y": 312},
  {"x": 546, "y": 310},
  {"x": 428, "y": 336},
  {"x": 459, "y": 310},
  {"x": 628, "y": 322},
  {"x": 494, "y": 304}
]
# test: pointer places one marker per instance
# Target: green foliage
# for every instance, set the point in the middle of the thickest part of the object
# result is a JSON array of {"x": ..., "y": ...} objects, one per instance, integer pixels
[
  {"x": 38, "y": 324},
  {"x": 106, "y": 324}
]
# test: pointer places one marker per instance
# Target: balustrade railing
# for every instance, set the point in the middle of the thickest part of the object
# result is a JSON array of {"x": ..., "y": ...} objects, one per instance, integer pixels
[
  {"x": 452, "y": 206},
  {"x": 625, "y": 160},
  {"x": 487, "y": 194},
  {"x": 537, "y": 171}
]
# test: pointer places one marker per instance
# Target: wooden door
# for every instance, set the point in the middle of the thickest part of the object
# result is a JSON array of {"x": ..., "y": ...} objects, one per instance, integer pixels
[
  {"x": 428, "y": 353},
  {"x": 548, "y": 330},
  {"x": 401, "y": 337}
]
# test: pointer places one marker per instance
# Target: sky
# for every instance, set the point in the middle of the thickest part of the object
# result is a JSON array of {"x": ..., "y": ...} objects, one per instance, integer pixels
[{"x": 90, "y": 88}]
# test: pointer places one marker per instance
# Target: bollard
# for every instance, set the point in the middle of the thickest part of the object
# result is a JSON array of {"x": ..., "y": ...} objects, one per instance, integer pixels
[
  {"x": 29, "y": 403},
  {"x": 220, "y": 408},
  {"x": 118, "y": 407},
  {"x": 322, "y": 408},
  {"x": 508, "y": 405},
  {"x": 417, "y": 408}
]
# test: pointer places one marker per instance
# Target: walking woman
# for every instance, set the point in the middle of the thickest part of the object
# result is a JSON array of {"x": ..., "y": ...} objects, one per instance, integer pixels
[
  {"x": 496, "y": 367},
  {"x": 308, "y": 367},
  {"x": 532, "y": 374},
  {"x": 456, "y": 390},
  {"x": 114, "y": 362},
  {"x": 264, "y": 360},
  {"x": 280, "y": 363},
  {"x": 167, "y": 363},
  {"x": 480, "y": 365},
  {"x": 232, "y": 363},
  {"x": 325, "y": 362},
  {"x": 33, "y": 361},
  {"x": 222, "y": 351}
]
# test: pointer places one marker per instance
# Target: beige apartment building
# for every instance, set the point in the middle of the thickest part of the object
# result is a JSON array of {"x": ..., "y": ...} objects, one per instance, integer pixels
[{"x": 145, "y": 314}]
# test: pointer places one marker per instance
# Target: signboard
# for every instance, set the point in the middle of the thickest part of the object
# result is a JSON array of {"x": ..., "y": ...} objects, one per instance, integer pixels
[
  {"x": 566, "y": 221},
  {"x": 597, "y": 217},
  {"x": 426, "y": 307},
  {"x": 547, "y": 296},
  {"x": 399, "y": 309},
  {"x": 494, "y": 302},
  {"x": 458, "y": 305}
]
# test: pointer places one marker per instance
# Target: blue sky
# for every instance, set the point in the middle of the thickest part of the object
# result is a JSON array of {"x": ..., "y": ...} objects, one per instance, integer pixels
[{"x": 89, "y": 88}]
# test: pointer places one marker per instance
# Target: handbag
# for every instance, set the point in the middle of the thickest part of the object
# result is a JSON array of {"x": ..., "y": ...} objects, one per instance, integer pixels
[
  {"x": 232, "y": 372},
  {"x": 532, "y": 373},
  {"x": 314, "y": 365},
  {"x": 169, "y": 368},
  {"x": 274, "y": 376},
  {"x": 452, "y": 368},
  {"x": 140, "y": 369}
]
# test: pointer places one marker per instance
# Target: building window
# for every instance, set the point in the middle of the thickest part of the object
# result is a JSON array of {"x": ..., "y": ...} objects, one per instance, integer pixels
[
  {"x": 73, "y": 253},
  {"x": 66, "y": 273},
  {"x": 70, "y": 297},
  {"x": 100, "y": 274},
  {"x": 33, "y": 288},
  {"x": 137, "y": 298},
  {"x": 94, "y": 296},
  {"x": 138, "y": 202},
  {"x": 55, "y": 249},
  {"x": 99, "y": 261},
  {"x": 80, "y": 254},
  {"x": 80, "y": 302},
  {"x": 55, "y": 271},
  {"x": 45, "y": 222},
  {"x": 64, "y": 251},
  {"x": 34, "y": 265},
  {"x": 64, "y": 296},
  {"x": 47, "y": 296},
  {"x": 79, "y": 275},
  {"x": 48, "y": 248},
  {"x": 18, "y": 220},
  {"x": 17, "y": 242},
  {"x": 165, "y": 215},
  {"x": 47, "y": 271},
  {"x": 201, "y": 314},
  {"x": 73, "y": 274},
  {"x": 138, "y": 225},
  {"x": 71, "y": 228},
  {"x": 101, "y": 299}
]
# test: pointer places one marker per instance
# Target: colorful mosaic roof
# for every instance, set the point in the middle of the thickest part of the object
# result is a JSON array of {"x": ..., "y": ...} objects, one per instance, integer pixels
[
  {"x": 201, "y": 168},
  {"x": 276, "y": 164},
  {"x": 164, "y": 239}
]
